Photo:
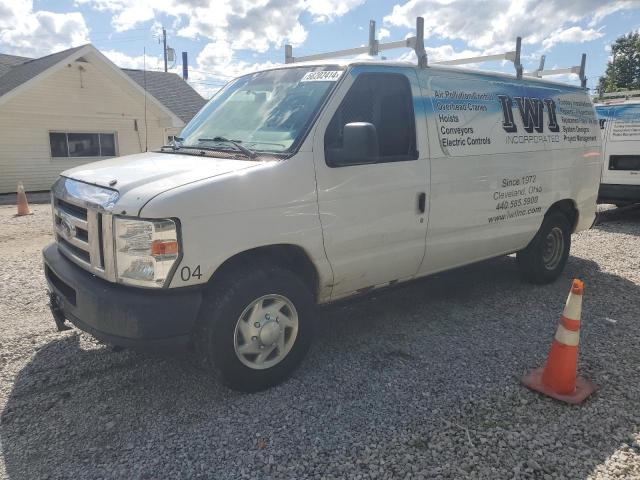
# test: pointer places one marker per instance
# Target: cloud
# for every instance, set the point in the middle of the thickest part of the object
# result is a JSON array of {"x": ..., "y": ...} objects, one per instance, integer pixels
[
  {"x": 441, "y": 53},
  {"x": 252, "y": 25},
  {"x": 571, "y": 35},
  {"x": 24, "y": 31},
  {"x": 494, "y": 24},
  {"x": 383, "y": 33},
  {"x": 127, "y": 61},
  {"x": 216, "y": 66},
  {"x": 203, "y": 81},
  {"x": 227, "y": 26},
  {"x": 327, "y": 10},
  {"x": 127, "y": 14},
  {"x": 256, "y": 26},
  {"x": 448, "y": 52},
  {"x": 206, "y": 84},
  {"x": 217, "y": 62}
]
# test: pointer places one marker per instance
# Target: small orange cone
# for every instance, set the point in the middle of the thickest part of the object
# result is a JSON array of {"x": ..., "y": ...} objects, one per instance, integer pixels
[
  {"x": 558, "y": 378},
  {"x": 23, "y": 205}
]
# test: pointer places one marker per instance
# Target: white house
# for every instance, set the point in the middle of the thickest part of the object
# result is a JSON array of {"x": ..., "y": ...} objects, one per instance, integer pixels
[{"x": 76, "y": 106}]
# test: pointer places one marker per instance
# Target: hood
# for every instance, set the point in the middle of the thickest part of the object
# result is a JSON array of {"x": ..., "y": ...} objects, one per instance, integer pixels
[{"x": 139, "y": 178}]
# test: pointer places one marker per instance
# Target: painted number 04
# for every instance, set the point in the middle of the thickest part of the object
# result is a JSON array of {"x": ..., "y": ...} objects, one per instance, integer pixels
[{"x": 186, "y": 273}]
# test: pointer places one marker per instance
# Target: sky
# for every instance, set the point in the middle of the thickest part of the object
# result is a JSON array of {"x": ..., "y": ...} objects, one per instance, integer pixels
[{"x": 227, "y": 38}]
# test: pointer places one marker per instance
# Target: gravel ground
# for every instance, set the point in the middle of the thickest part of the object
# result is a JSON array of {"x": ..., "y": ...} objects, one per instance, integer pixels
[{"x": 420, "y": 381}]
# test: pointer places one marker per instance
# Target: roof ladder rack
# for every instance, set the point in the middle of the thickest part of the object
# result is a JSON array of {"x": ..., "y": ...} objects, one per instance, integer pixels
[
  {"x": 373, "y": 48},
  {"x": 534, "y": 73},
  {"x": 623, "y": 94},
  {"x": 512, "y": 56},
  {"x": 578, "y": 69},
  {"x": 417, "y": 44}
]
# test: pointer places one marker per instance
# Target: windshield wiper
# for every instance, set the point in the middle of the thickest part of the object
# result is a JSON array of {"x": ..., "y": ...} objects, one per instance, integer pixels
[
  {"x": 236, "y": 143},
  {"x": 174, "y": 144}
]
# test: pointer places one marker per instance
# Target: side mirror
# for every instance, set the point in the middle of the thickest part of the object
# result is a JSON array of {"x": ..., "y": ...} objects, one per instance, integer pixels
[{"x": 359, "y": 145}]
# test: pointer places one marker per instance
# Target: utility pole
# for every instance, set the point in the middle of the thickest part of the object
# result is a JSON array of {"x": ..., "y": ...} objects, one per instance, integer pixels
[
  {"x": 185, "y": 67},
  {"x": 146, "y": 130},
  {"x": 164, "y": 43}
]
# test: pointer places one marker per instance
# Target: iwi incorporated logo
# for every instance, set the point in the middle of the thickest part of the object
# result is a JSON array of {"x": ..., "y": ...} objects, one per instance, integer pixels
[{"x": 532, "y": 114}]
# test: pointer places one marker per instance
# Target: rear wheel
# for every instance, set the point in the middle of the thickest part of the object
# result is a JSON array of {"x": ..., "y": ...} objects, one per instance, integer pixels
[
  {"x": 255, "y": 327},
  {"x": 545, "y": 257}
]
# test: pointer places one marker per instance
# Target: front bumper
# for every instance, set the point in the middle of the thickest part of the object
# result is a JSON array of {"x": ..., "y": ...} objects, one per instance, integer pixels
[
  {"x": 612, "y": 193},
  {"x": 116, "y": 314}
]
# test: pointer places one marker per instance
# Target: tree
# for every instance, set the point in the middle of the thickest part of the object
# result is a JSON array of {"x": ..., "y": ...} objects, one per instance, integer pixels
[{"x": 623, "y": 71}]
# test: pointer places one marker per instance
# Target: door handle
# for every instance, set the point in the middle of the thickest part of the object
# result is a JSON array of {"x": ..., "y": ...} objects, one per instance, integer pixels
[{"x": 422, "y": 200}]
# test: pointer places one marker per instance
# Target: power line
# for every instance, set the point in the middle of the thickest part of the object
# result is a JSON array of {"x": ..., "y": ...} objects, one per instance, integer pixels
[
  {"x": 118, "y": 38},
  {"x": 211, "y": 80},
  {"x": 211, "y": 73},
  {"x": 208, "y": 83},
  {"x": 127, "y": 30},
  {"x": 128, "y": 40}
]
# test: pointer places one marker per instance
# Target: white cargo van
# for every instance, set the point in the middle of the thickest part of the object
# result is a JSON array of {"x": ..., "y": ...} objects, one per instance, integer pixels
[
  {"x": 620, "y": 127},
  {"x": 312, "y": 182}
]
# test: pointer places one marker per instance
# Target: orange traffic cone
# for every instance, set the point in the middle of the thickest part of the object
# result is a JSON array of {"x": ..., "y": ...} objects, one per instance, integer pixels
[
  {"x": 558, "y": 377},
  {"x": 23, "y": 205}
]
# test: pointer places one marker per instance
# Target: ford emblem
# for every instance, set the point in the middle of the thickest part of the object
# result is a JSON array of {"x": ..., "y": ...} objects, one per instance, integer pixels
[{"x": 68, "y": 230}]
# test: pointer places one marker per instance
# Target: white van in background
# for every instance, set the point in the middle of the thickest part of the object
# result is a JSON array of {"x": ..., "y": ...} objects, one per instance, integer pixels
[
  {"x": 312, "y": 182},
  {"x": 620, "y": 127}
]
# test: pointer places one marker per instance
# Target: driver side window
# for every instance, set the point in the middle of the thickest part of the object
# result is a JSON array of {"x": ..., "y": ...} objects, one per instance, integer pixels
[{"x": 375, "y": 123}]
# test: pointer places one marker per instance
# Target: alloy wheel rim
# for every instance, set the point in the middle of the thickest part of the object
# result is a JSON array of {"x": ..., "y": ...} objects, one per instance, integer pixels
[{"x": 266, "y": 331}]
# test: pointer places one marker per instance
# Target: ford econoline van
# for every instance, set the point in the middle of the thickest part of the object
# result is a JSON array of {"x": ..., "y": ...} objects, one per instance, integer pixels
[
  {"x": 312, "y": 182},
  {"x": 620, "y": 127}
]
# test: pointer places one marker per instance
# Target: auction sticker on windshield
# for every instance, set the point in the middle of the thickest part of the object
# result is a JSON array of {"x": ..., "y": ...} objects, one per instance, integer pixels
[{"x": 322, "y": 76}]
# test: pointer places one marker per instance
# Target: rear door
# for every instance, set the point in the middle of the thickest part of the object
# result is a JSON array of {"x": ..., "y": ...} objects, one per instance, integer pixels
[
  {"x": 604, "y": 121},
  {"x": 622, "y": 149},
  {"x": 373, "y": 212}
]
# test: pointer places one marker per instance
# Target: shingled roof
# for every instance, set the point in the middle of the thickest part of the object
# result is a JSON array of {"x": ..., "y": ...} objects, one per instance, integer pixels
[
  {"x": 167, "y": 88},
  {"x": 174, "y": 93},
  {"x": 15, "y": 74},
  {"x": 8, "y": 61}
]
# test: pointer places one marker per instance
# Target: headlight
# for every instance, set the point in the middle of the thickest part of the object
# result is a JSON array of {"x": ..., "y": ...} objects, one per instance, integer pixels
[{"x": 146, "y": 250}]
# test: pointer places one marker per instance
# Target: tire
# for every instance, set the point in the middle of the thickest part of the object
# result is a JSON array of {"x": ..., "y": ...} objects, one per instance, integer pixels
[
  {"x": 220, "y": 337},
  {"x": 545, "y": 257}
]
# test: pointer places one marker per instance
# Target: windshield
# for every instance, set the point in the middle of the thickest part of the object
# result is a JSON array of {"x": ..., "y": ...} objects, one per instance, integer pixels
[{"x": 265, "y": 111}]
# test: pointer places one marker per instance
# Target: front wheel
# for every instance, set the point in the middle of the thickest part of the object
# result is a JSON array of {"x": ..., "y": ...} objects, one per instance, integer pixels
[
  {"x": 255, "y": 327},
  {"x": 545, "y": 257}
]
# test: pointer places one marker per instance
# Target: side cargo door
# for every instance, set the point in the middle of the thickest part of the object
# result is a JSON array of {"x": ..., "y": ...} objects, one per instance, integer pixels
[
  {"x": 373, "y": 207},
  {"x": 485, "y": 184}
]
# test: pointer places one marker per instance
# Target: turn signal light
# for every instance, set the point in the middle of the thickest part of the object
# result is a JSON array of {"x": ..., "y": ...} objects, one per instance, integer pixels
[{"x": 164, "y": 247}]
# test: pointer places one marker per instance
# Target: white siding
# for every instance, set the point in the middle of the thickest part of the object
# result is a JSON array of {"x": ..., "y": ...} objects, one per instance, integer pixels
[{"x": 69, "y": 100}]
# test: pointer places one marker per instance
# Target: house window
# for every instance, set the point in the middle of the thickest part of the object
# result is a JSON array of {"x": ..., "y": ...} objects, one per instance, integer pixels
[{"x": 82, "y": 144}]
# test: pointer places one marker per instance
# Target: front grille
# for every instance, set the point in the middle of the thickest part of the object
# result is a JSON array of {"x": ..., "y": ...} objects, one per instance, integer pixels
[
  {"x": 72, "y": 209},
  {"x": 83, "y": 230},
  {"x": 77, "y": 252}
]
